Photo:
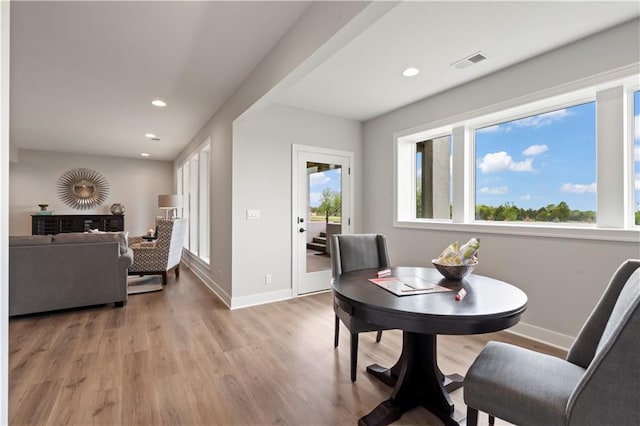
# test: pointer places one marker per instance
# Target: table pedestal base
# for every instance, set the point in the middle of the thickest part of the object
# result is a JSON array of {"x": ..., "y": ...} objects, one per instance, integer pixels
[{"x": 417, "y": 380}]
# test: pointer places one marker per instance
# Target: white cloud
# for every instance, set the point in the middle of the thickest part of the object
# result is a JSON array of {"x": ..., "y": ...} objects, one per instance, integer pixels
[
  {"x": 536, "y": 121},
  {"x": 490, "y": 129},
  {"x": 534, "y": 150},
  {"x": 542, "y": 119},
  {"x": 319, "y": 179},
  {"x": 315, "y": 198},
  {"x": 636, "y": 126},
  {"x": 526, "y": 197},
  {"x": 496, "y": 190},
  {"x": 578, "y": 188},
  {"x": 636, "y": 153},
  {"x": 637, "y": 183},
  {"x": 501, "y": 161}
]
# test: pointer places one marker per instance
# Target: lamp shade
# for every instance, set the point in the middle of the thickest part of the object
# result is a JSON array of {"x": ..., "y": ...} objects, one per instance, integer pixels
[{"x": 170, "y": 201}]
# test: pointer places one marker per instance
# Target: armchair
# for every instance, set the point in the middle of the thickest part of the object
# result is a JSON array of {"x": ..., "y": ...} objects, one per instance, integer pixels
[
  {"x": 597, "y": 384},
  {"x": 163, "y": 254},
  {"x": 351, "y": 253}
]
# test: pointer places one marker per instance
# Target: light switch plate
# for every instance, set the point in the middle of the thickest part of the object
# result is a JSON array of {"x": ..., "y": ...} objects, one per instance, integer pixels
[{"x": 253, "y": 214}]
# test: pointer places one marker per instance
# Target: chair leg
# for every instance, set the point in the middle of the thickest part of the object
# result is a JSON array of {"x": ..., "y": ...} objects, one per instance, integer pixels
[
  {"x": 177, "y": 271},
  {"x": 164, "y": 278},
  {"x": 379, "y": 336},
  {"x": 354, "y": 355},
  {"x": 492, "y": 420},
  {"x": 336, "y": 332},
  {"x": 472, "y": 417}
]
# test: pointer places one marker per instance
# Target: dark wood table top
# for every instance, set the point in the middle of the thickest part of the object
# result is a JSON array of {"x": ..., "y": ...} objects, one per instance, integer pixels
[{"x": 489, "y": 305}]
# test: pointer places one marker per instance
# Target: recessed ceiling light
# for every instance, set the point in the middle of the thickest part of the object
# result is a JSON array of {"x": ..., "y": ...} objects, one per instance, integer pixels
[
  {"x": 149, "y": 135},
  {"x": 410, "y": 72},
  {"x": 159, "y": 103},
  {"x": 145, "y": 154}
]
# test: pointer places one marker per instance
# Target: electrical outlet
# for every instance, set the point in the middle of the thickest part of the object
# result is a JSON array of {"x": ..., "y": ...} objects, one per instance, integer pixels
[
  {"x": 267, "y": 279},
  {"x": 253, "y": 214}
]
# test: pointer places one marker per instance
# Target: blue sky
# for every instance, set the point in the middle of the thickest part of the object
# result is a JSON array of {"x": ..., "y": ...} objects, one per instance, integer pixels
[
  {"x": 539, "y": 160},
  {"x": 321, "y": 180},
  {"x": 531, "y": 162}
]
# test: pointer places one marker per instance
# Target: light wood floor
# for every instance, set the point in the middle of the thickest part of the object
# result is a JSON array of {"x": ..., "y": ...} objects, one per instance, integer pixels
[{"x": 180, "y": 357}]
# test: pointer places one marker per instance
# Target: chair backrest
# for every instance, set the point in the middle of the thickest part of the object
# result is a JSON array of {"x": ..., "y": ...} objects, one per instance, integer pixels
[
  {"x": 351, "y": 252},
  {"x": 609, "y": 391},
  {"x": 171, "y": 234},
  {"x": 584, "y": 347}
]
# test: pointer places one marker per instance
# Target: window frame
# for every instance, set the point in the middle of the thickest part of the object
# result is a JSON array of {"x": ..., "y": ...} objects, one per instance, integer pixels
[
  {"x": 630, "y": 163},
  {"x": 189, "y": 181},
  {"x": 462, "y": 127}
]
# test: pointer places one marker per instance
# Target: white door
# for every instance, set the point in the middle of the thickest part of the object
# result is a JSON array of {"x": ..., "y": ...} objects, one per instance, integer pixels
[{"x": 322, "y": 206}]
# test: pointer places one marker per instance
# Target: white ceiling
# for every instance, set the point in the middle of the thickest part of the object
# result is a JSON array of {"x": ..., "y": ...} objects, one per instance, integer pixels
[
  {"x": 364, "y": 79},
  {"x": 83, "y": 74}
]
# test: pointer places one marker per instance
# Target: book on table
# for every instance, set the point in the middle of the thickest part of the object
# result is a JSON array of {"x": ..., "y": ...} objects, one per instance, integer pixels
[{"x": 408, "y": 285}]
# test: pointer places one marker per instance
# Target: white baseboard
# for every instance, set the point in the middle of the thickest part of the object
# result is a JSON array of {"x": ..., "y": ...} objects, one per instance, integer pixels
[
  {"x": 203, "y": 275},
  {"x": 542, "y": 335},
  {"x": 539, "y": 334},
  {"x": 260, "y": 299}
]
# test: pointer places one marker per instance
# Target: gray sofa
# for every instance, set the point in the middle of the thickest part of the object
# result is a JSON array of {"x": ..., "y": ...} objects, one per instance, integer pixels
[{"x": 50, "y": 272}]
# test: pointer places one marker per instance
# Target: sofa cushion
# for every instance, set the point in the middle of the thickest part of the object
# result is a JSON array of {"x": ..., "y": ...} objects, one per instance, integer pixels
[
  {"x": 82, "y": 237},
  {"x": 29, "y": 240}
]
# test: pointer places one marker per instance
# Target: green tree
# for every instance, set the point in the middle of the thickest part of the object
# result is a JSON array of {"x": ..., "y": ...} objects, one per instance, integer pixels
[{"x": 330, "y": 203}]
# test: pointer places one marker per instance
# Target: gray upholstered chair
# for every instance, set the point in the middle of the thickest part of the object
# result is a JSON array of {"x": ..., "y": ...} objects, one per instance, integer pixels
[
  {"x": 351, "y": 252},
  {"x": 163, "y": 254},
  {"x": 597, "y": 384}
]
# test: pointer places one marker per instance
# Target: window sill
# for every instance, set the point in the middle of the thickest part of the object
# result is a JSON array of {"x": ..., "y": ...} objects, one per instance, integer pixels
[{"x": 585, "y": 232}]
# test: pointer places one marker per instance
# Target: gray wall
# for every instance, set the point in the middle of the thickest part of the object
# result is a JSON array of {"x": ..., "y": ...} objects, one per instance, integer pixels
[
  {"x": 302, "y": 47},
  {"x": 262, "y": 180},
  {"x": 4, "y": 210},
  {"x": 132, "y": 182},
  {"x": 562, "y": 277}
]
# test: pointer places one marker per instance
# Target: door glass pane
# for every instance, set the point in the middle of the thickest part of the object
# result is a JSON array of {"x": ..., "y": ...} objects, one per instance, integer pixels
[{"x": 324, "y": 212}]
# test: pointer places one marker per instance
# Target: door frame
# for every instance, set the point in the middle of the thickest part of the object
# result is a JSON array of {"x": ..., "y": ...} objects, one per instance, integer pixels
[{"x": 348, "y": 220}]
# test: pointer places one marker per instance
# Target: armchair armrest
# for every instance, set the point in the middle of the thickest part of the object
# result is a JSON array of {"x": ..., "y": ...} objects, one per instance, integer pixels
[
  {"x": 134, "y": 240},
  {"x": 126, "y": 259}
]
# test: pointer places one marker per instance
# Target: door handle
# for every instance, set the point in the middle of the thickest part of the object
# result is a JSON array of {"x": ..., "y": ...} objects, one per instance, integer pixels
[{"x": 301, "y": 230}]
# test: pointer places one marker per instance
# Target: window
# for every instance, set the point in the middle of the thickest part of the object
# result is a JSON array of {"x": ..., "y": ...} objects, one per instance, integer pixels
[
  {"x": 553, "y": 166},
  {"x": 433, "y": 178},
  {"x": 203, "y": 213},
  {"x": 636, "y": 156},
  {"x": 540, "y": 168},
  {"x": 192, "y": 181}
]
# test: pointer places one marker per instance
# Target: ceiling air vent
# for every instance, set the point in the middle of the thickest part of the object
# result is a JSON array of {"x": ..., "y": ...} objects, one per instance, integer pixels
[{"x": 469, "y": 60}]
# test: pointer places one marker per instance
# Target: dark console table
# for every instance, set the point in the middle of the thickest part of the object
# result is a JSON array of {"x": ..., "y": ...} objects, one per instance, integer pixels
[{"x": 57, "y": 224}]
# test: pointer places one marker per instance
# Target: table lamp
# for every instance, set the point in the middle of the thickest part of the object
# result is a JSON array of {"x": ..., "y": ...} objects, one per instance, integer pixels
[{"x": 169, "y": 202}]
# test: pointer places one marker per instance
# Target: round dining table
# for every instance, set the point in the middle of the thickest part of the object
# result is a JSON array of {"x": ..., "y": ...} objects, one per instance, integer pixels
[{"x": 489, "y": 305}]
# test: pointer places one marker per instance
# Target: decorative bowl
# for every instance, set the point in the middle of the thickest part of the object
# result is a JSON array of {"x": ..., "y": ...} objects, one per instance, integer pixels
[{"x": 454, "y": 272}]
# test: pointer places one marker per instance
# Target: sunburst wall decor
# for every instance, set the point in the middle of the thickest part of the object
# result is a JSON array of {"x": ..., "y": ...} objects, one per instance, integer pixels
[{"x": 82, "y": 188}]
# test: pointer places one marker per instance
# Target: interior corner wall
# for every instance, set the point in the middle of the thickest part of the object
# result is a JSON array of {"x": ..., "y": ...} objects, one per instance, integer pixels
[
  {"x": 262, "y": 174},
  {"x": 321, "y": 22},
  {"x": 135, "y": 183},
  {"x": 563, "y": 278}
]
